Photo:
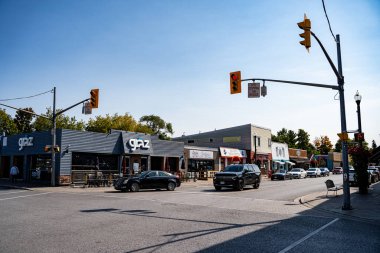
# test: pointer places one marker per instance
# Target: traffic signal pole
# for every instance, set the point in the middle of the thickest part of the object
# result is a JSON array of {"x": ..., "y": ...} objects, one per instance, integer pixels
[{"x": 340, "y": 87}]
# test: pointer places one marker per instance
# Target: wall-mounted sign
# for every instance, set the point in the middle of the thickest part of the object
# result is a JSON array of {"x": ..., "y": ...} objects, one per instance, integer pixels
[
  {"x": 231, "y": 152},
  {"x": 25, "y": 142},
  {"x": 231, "y": 139},
  {"x": 199, "y": 154},
  {"x": 138, "y": 143}
]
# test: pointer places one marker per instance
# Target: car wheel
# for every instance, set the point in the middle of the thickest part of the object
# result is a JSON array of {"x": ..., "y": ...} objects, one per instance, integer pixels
[
  {"x": 256, "y": 185},
  {"x": 241, "y": 185},
  {"x": 218, "y": 188},
  {"x": 135, "y": 187},
  {"x": 171, "y": 186}
]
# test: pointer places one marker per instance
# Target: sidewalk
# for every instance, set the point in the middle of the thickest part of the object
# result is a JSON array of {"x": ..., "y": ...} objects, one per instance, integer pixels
[{"x": 365, "y": 207}]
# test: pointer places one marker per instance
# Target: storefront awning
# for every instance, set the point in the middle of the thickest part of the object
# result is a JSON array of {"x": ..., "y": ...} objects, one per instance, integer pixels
[
  {"x": 290, "y": 163},
  {"x": 232, "y": 152},
  {"x": 279, "y": 162}
]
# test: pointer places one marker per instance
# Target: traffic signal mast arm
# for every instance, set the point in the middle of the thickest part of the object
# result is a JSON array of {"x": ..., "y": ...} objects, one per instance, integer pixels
[{"x": 334, "y": 87}]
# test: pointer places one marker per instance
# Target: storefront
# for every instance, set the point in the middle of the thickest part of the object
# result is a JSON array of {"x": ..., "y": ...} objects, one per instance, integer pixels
[
  {"x": 200, "y": 161},
  {"x": 280, "y": 157},
  {"x": 86, "y": 153},
  {"x": 299, "y": 157}
]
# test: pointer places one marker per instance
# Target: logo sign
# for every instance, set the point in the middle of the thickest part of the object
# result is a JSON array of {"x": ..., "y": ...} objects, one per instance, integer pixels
[
  {"x": 254, "y": 90},
  {"x": 138, "y": 143},
  {"x": 25, "y": 142}
]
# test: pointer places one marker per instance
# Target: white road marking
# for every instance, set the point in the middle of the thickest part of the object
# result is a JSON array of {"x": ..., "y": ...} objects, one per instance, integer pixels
[
  {"x": 25, "y": 196},
  {"x": 308, "y": 236},
  {"x": 12, "y": 192}
]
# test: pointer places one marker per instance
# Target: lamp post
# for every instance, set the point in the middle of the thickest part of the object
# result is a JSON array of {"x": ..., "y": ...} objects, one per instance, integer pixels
[
  {"x": 255, "y": 157},
  {"x": 358, "y": 99}
]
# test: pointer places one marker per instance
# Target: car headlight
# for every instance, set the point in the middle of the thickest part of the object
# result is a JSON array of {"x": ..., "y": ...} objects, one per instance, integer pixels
[{"x": 234, "y": 178}]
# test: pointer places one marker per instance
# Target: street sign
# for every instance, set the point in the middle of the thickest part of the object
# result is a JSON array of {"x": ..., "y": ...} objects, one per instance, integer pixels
[
  {"x": 254, "y": 90},
  {"x": 343, "y": 136},
  {"x": 87, "y": 109}
]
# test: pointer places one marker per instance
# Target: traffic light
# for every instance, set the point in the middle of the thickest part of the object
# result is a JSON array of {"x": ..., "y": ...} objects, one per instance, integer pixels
[
  {"x": 359, "y": 137},
  {"x": 264, "y": 90},
  {"x": 47, "y": 148},
  {"x": 235, "y": 82},
  {"x": 94, "y": 100},
  {"x": 306, "y": 26}
]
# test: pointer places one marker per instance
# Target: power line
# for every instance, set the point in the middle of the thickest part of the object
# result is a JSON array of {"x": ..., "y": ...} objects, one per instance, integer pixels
[
  {"x": 328, "y": 21},
  {"x": 9, "y": 99}
]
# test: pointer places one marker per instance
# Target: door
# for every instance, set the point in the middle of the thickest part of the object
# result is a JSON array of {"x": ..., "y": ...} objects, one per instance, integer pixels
[{"x": 150, "y": 180}]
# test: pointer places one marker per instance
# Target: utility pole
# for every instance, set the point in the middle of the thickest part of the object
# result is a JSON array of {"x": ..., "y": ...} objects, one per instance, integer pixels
[{"x": 53, "y": 133}]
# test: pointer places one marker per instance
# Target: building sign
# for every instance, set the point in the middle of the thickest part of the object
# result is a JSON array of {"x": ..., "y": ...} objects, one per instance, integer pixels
[
  {"x": 232, "y": 152},
  {"x": 232, "y": 139},
  {"x": 199, "y": 154},
  {"x": 25, "y": 142},
  {"x": 138, "y": 143},
  {"x": 280, "y": 151}
]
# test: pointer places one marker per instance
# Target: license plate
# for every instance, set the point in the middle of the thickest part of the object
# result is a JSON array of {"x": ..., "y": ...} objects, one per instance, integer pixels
[{"x": 221, "y": 182}]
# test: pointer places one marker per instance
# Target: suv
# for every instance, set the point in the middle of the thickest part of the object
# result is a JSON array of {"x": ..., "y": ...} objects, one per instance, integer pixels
[
  {"x": 325, "y": 172},
  {"x": 237, "y": 176},
  {"x": 313, "y": 172},
  {"x": 337, "y": 170}
]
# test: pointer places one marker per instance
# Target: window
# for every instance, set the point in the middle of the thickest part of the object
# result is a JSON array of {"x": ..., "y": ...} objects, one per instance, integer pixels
[
  {"x": 258, "y": 141},
  {"x": 190, "y": 141},
  {"x": 211, "y": 140}
]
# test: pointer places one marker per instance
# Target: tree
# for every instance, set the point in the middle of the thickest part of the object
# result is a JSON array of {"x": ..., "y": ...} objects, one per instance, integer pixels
[
  {"x": 23, "y": 120},
  {"x": 118, "y": 122},
  {"x": 62, "y": 121},
  {"x": 292, "y": 139},
  {"x": 303, "y": 139},
  {"x": 323, "y": 145},
  {"x": 158, "y": 126},
  {"x": 374, "y": 146},
  {"x": 7, "y": 125}
]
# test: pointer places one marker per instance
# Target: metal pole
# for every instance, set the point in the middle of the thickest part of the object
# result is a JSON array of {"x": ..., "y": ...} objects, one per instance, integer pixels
[
  {"x": 255, "y": 151},
  {"x": 53, "y": 142},
  {"x": 346, "y": 186},
  {"x": 359, "y": 116}
]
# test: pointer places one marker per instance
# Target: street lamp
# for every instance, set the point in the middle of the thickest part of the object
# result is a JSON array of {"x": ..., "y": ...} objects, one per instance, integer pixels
[{"x": 358, "y": 99}]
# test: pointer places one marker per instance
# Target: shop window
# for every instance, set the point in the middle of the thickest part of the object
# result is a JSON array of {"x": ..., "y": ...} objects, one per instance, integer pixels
[
  {"x": 88, "y": 161},
  {"x": 200, "y": 165}
]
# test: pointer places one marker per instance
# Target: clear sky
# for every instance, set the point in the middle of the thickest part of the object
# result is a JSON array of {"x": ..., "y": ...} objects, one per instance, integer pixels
[{"x": 172, "y": 58}]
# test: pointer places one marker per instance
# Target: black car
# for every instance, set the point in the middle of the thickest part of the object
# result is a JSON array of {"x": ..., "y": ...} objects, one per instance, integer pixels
[
  {"x": 237, "y": 176},
  {"x": 281, "y": 175},
  {"x": 153, "y": 179}
]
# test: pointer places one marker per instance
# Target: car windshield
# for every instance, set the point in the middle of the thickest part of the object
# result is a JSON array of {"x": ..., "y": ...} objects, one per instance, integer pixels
[
  {"x": 234, "y": 168},
  {"x": 281, "y": 171},
  {"x": 311, "y": 169},
  {"x": 296, "y": 170}
]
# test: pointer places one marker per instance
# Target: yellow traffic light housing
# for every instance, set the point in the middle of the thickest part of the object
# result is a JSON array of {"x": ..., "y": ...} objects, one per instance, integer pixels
[
  {"x": 235, "y": 82},
  {"x": 94, "y": 100},
  {"x": 306, "y": 26}
]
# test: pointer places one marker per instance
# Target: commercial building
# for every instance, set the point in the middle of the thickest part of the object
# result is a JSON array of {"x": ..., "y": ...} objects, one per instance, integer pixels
[
  {"x": 82, "y": 153},
  {"x": 243, "y": 144}
]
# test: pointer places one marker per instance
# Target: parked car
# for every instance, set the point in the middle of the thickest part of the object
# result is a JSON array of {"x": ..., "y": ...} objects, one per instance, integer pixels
[
  {"x": 353, "y": 177},
  {"x": 281, "y": 175},
  {"x": 313, "y": 172},
  {"x": 237, "y": 176},
  {"x": 375, "y": 174},
  {"x": 325, "y": 172},
  {"x": 152, "y": 179},
  {"x": 298, "y": 173},
  {"x": 337, "y": 170}
]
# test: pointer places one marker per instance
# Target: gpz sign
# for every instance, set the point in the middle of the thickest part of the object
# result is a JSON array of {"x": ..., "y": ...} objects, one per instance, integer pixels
[
  {"x": 25, "y": 142},
  {"x": 138, "y": 143}
]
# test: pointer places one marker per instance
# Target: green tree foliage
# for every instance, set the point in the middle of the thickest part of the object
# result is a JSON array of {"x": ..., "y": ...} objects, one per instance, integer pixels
[
  {"x": 23, "y": 120},
  {"x": 118, "y": 122},
  {"x": 323, "y": 145},
  {"x": 303, "y": 139},
  {"x": 7, "y": 125},
  {"x": 374, "y": 146},
  {"x": 62, "y": 121},
  {"x": 158, "y": 126}
]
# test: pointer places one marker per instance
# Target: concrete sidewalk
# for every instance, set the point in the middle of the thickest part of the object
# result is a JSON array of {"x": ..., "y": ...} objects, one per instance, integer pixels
[{"x": 365, "y": 207}]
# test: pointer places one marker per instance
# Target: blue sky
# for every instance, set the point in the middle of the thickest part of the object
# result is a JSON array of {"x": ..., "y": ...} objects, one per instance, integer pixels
[{"x": 173, "y": 58}]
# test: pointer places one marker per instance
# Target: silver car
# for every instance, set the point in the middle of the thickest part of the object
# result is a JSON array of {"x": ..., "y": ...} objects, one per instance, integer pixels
[
  {"x": 313, "y": 172},
  {"x": 298, "y": 173}
]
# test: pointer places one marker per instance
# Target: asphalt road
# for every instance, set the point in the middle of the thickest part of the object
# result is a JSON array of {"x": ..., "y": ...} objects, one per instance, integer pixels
[{"x": 190, "y": 219}]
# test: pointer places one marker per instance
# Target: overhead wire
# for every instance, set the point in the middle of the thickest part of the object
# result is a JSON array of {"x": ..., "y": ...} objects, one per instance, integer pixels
[
  {"x": 9, "y": 99},
  {"x": 328, "y": 21}
]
